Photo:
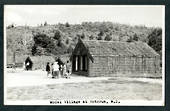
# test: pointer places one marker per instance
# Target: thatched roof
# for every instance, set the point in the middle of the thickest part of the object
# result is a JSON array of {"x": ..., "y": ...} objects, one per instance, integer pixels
[
  {"x": 34, "y": 59},
  {"x": 117, "y": 48}
]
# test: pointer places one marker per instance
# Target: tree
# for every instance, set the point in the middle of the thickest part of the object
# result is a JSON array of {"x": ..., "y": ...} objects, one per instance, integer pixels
[
  {"x": 99, "y": 38},
  {"x": 42, "y": 44},
  {"x": 59, "y": 44},
  {"x": 45, "y": 24},
  {"x": 67, "y": 41},
  {"x": 100, "y": 35},
  {"x": 10, "y": 26},
  {"x": 40, "y": 51},
  {"x": 67, "y": 24},
  {"x": 42, "y": 40},
  {"x": 130, "y": 39},
  {"x": 82, "y": 36},
  {"x": 75, "y": 39},
  {"x": 34, "y": 50},
  {"x": 57, "y": 35},
  {"x": 155, "y": 40},
  {"x": 70, "y": 49},
  {"x": 108, "y": 37},
  {"x": 91, "y": 37},
  {"x": 135, "y": 37}
]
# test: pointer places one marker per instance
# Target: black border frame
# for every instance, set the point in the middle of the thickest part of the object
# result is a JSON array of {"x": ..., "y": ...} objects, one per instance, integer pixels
[{"x": 87, "y": 108}]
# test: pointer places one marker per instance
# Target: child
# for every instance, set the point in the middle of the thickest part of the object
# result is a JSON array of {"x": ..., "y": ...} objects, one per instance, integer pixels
[
  {"x": 64, "y": 71},
  {"x": 48, "y": 68},
  {"x": 27, "y": 66},
  {"x": 52, "y": 69}
]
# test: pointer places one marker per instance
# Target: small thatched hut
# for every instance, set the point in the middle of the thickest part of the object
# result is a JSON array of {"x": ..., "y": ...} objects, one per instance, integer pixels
[
  {"x": 114, "y": 58},
  {"x": 39, "y": 62},
  {"x": 28, "y": 63}
]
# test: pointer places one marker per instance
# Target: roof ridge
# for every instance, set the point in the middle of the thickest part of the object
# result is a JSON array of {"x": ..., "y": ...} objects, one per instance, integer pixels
[
  {"x": 137, "y": 48},
  {"x": 111, "y": 41}
]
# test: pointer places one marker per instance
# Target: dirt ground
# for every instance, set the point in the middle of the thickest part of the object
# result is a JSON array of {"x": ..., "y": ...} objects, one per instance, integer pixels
[{"x": 34, "y": 85}]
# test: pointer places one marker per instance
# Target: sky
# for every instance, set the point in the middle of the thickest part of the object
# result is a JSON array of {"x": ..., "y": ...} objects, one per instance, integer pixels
[{"x": 33, "y": 15}]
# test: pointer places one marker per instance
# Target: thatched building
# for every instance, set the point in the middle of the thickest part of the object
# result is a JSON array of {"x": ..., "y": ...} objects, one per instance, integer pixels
[
  {"x": 39, "y": 62},
  {"x": 114, "y": 58}
]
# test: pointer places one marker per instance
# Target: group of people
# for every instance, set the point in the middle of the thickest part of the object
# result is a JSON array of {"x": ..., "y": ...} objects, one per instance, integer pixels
[{"x": 58, "y": 69}]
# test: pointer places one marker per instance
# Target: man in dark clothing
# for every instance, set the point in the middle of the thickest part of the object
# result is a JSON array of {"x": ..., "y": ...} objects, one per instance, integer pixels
[
  {"x": 60, "y": 62},
  {"x": 48, "y": 68},
  {"x": 68, "y": 69}
]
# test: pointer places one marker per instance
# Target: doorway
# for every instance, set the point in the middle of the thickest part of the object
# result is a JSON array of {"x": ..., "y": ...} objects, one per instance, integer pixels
[{"x": 80, "y": 63}]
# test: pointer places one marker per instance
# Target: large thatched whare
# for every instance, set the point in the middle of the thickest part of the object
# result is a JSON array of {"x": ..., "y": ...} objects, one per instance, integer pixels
[{"x": 115, "y": 58}]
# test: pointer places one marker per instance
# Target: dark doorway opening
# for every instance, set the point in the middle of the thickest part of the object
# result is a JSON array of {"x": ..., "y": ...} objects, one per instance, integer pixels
[
  {"x": 28, "y": 63},
  {"x": 80, "y": 63}
]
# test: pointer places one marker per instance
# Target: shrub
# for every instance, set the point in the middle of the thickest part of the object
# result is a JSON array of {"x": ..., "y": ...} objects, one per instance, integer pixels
[
  {"x": 91, "y": 37},
  {"x": 67, "y": 24},
  {"x": 82, "y": 36},
  {"x": 45, "y": 24},
  {"x": 135, "y": 37},
  {"x": 34, "y": 50},
  {"x": 99, "y": 38},
  {"x": 130, "y": 39},
  {"x": 108, "y": 38},
  {"x": 67, "y": 41},
  {"x": 57, "y": 35},
  {"x": 155, "y": 40}
]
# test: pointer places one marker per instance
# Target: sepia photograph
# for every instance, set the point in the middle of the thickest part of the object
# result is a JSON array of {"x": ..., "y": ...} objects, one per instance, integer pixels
[{"x": 111, "y": 55}]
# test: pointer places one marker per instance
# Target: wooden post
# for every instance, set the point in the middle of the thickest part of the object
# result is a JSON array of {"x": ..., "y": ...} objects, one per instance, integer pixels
[
  {"x": 76, "y": 63},
  {"x": 155, "y": 64},
  {"x": 14, "y": 59}
]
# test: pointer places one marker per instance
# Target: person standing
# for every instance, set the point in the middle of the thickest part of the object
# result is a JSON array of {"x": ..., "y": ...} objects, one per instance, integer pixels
[
  {"x": 48, "y": 68},
  {"x": 24, "y": 66},
  {"x": 68, "y": 70},
  {"x": 55, "y": 70},
  {"x": 27, "y": 66},
  {"x": 64, "y": 71},
  {"x": 60, "y": 63},
  {"x": 52, "y": 69}
]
